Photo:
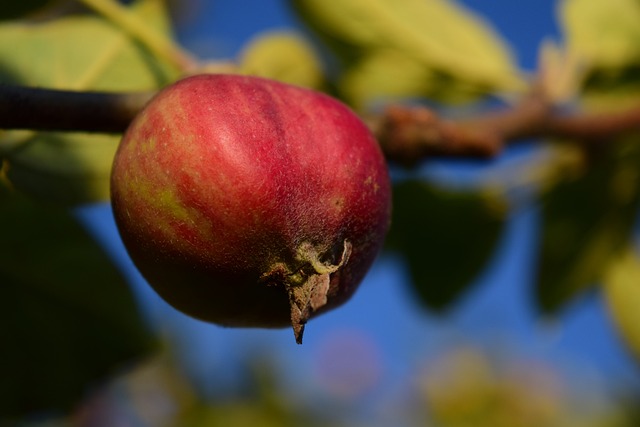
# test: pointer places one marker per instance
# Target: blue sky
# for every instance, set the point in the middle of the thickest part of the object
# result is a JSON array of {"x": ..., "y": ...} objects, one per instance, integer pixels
[{"x": 383, "y": 314}]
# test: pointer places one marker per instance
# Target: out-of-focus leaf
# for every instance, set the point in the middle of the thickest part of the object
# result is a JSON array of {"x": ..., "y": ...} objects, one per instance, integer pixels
[
  {"x": 439, "y": 35},
  {"x": 603, "y": 34},
  {"x": 69, "y": 168},
  {"x": 68, "y": 317},
  {"x": 446, "y": 236},
  {"x": 622, "y": 293},
  {"x": 284, "y": 56},
  {"x": 76, "y": 52},
  {"x": 586, "y": 221},
  {"x": 387, "y": 76},
  {"x": 604, "y": 40},
  {"x": 384, "y": 76},
  {"x": 16, "y": 9}
]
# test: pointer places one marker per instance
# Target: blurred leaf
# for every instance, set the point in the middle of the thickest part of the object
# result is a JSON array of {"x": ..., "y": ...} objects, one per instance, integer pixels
[
  {"x": 439, "y": 35},
  {"x": 384, "y": 76},
  {"x": 284, "y": 56},
  {"x": 446, "y": 236},
  {"x": 16, "y": 9},
  {"x": 387, "y": 76},
  {"x": 619, "y": 86},
  {"x": 63, "y": 167},
  {"x": 622, "y": 293},
  {"x": 75, "y": 52},
  {"x": 82, "y": 52},
  {"x": 586, "y": 222},
  {"x": 603, "y": 34},
  {"x": 68, "y": 316},
  {"x": 603, "y": 38}
]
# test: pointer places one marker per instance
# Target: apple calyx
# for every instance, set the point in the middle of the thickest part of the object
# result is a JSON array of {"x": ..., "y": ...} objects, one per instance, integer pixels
[{"x": 309, "y": 285}]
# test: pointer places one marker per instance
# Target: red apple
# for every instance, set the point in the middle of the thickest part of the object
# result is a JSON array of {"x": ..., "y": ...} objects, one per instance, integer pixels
[{"x": 249, "y": 202}]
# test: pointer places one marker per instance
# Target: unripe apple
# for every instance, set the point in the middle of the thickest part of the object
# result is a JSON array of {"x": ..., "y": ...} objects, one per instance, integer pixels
[{"x": 249, "y": 202}]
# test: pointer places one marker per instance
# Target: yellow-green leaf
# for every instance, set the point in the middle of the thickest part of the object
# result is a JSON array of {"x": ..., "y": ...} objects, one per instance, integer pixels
[
  {"x": 66, "y": 168},
  {"x": 622, "y": 293},
  {"x": 284, "y": 56},
  {"x": 78, "y": 52},
  {"x": 438, "y": 34},
  {"x": 602, "y": 33},
  {"x": 603, "y": 41},
  {"x": 81, "y": 52},
  {"x": 387, "y": 76}
]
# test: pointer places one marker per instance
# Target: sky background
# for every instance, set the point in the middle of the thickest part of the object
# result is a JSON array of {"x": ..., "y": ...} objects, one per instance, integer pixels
[{"x": 386, "y": 335}]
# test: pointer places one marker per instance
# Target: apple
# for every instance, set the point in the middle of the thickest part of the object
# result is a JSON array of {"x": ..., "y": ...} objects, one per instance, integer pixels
[{"x": 249, "y": 202}]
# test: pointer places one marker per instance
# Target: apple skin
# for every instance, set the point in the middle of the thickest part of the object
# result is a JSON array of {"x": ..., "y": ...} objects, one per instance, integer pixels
[{"x": 222, "y": 181}]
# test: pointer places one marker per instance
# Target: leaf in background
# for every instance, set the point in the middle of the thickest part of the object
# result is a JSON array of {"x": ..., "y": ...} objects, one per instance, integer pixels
[
  {"x": 604, "y": 37},
  {"x": 439, "y": 35},
  {"x": 586, "y": 222},
  {"x": 384, "y": 76},
  {"x": 68, "y": 317},
  {"x": 284, "y": 56},
  {"x": 622, "y": 293},
  {"x": 387, "y": 76},
  {"x": 75, "y": 52},
  {"x": 447, "y": 237},
  {"x": 69, "y": 168},
  {"x": 603, "y": 34}
]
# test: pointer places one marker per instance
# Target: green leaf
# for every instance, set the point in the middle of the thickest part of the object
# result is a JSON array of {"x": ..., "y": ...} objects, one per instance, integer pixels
[
  {"x": 67, "y": 168},
  {"x": 586, "y": 222},
  {"x": 386, "y": 76},
  {"x": 602, "y": 34},
  {"x": 77, "y": 52},
  {"x": 284, "y": 56},
  {"x": 68, "y": 317},
  {"x": 622, "y": 294},
  {"x": 603, "y": 39},
  {"x": 439, "y": 35},
  {"x": 447, "y": 237}
]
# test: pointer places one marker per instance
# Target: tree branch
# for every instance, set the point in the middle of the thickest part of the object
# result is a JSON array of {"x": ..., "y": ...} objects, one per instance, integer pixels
[
  {"x": 407, "y": 134},
  {"x": 57, "y": 110},
  {"x": 411, "y": 134}
]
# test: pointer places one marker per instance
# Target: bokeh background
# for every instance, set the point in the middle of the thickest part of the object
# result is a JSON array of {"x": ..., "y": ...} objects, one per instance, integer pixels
[{"x": 382, "y": 359}]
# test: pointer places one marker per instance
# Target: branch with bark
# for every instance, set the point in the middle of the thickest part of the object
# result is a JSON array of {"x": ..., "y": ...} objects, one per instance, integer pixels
[
  {"x": 411, "y": 134},
  {"x": 407, "y": 135}
]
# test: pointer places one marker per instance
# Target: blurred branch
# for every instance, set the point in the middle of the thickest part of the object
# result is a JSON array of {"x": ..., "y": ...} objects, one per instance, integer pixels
[
  {"x": 411, "y": 134},
  {"x": 407, "y": 134}
]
